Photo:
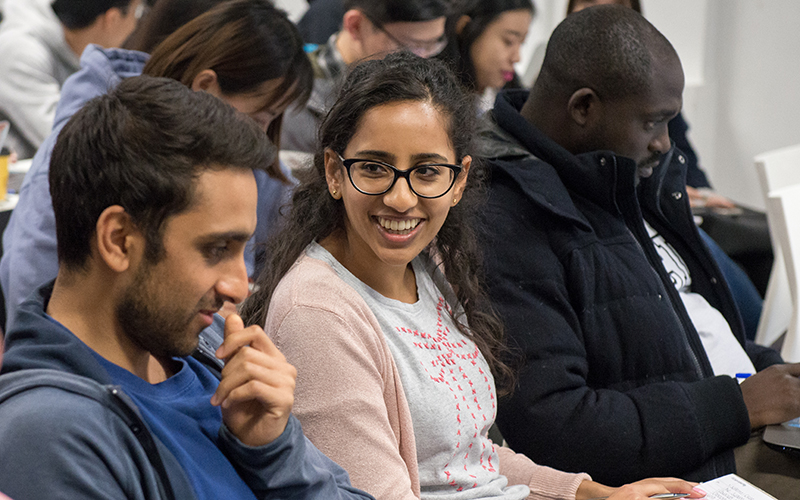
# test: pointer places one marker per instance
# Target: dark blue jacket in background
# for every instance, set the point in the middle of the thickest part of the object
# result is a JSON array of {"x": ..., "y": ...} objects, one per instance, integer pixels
[
  {"x": 66, "y": 432},
  {"x": 615, "y": 380},
  {"x": 695, "y": 177}
]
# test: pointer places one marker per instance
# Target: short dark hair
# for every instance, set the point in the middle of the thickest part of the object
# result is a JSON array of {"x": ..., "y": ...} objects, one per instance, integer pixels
[
  {"x": 246, "y": 43},
  {"x": 77, "y": 14},
  {"x": 141, "y": 146},
  {"x": 398, "y": 11},
  {"x": 608, "y": 48},
  {"x": 635, "y": 5}
]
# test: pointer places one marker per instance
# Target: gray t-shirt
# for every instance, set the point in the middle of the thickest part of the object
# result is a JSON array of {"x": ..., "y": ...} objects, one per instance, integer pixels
[{"x": 448, "y": 385}]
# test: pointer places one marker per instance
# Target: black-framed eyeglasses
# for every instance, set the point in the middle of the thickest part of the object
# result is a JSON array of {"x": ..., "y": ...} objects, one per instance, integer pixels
[
  {"x": 373, "y": 177},
  {"x": 422, "y": 48}
]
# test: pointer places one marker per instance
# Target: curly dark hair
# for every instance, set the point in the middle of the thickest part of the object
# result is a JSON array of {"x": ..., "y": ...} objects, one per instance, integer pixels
[{"x": 315, "y": 214}]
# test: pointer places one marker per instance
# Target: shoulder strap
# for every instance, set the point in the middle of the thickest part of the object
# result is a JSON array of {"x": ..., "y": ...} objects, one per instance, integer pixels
[{"x": 109, "y": 396}]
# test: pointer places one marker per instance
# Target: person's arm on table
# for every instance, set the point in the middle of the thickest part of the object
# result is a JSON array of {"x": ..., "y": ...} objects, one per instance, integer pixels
[
  {"x": 544, "y": 482},
  {"x": 772, "y": 395},
  {"x": 548, "y": 483},
  {"x": 640, "y": 490}
]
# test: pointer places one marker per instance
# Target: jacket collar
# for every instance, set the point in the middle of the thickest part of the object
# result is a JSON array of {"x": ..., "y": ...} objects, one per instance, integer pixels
[{"x": 38, "y": 341}]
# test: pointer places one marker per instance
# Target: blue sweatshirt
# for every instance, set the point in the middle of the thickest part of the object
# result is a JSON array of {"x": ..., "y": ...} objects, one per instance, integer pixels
[{"x": 67, "y": 432}]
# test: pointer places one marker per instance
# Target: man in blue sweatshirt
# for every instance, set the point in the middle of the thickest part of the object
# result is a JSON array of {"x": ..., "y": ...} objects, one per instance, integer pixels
[{"x": 155, "y": 199}]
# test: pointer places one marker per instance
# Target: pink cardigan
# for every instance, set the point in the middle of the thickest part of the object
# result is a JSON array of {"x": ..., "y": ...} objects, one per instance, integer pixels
[{"x": 349, "y": 397}]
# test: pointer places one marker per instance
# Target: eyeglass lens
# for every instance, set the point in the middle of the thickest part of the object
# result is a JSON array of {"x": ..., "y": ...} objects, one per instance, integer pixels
[
  {"x": 422, "y": 49},
  {"x": 425, "y": 180}
]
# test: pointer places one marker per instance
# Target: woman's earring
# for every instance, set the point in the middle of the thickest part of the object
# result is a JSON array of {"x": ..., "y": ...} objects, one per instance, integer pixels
[
  {"x": 455, "y": 201},
  {"x": 333, "y": 194}
]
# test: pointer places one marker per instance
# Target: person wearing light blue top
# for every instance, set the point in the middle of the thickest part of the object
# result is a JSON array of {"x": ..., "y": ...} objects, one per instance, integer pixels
[{"x": 284, "y": 77}]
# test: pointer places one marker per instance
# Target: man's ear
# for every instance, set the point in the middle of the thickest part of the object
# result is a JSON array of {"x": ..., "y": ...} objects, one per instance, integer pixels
[
  {"x": 110, "y": 18},
  {"x": 207, "y": 81},
  {"x": 117, "y": 240},
  {"x": 354, "y": 23},
  {"x": 333, "y": 173},
  {"x": 583, "y": 106}
]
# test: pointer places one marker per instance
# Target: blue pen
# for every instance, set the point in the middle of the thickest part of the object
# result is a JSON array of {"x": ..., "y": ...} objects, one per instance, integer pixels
[{"x": 740, "y": 377}]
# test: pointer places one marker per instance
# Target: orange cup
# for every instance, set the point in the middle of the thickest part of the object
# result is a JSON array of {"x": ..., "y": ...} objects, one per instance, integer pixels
[{"x": 3, "y": 176}]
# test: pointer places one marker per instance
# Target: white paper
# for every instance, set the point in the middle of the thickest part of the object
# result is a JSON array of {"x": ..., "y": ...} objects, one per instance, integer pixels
[{"x": 732, "y": 487}]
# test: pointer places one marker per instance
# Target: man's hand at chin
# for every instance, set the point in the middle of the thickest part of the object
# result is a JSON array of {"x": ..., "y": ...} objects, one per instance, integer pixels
[{"x": 256, "y": 392}]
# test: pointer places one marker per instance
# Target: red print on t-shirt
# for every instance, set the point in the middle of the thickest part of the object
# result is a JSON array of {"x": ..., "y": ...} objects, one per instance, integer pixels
[{"x": 448, "y": 367}]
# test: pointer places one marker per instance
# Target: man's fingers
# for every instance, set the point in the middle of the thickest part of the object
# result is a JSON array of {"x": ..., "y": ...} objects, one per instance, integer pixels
[
  {"x": 791, "y": 368},
  {"x": 236, "y": 337},
  {"x": 250, "y": 365},
  {"x": 233, "y": 323},
  {"x": 271, "y": 397}
]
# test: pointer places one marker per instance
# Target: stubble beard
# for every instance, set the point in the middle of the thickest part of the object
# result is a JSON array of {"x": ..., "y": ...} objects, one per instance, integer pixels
[{"x": 154, "y": 322}]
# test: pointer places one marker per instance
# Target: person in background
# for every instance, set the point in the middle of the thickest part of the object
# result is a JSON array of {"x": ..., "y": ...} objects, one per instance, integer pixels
[
  {"x": 630, "y": 337},
  {"x": 246, "y": 52},
  {"x": 701, "y": 196},
  {"x": 2, "y": 496},
  {"x": 155, "y": 199},
  {"x": 370, "y": 28},
  {"x": 322, "y": 19},
  {"x": 485, "y": 44},
  {"x": 41, "y": 41},
  {"x": 372, "y": 292}
]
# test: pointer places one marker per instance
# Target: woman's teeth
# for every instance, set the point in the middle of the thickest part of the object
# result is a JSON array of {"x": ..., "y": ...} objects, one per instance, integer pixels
[{"x": 398, "y": 225}]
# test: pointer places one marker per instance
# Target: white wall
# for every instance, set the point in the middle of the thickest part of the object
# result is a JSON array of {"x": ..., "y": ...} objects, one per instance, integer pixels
[
  {"x": 295, "y": 8},
  {"x": 756, "y": 67}
]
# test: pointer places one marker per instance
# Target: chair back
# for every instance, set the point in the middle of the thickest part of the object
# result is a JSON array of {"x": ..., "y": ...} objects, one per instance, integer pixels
[
  {"x": 776, "y": 170},
  {"x": 783, "y": 209}
]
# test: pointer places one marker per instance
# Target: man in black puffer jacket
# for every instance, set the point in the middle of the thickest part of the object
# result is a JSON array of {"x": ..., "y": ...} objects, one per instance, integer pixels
[{"x": 629, "y": 335}]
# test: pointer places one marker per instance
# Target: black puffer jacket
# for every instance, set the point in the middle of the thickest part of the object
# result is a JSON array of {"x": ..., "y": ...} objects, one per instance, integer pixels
[{"x": 615, "y": 380}]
